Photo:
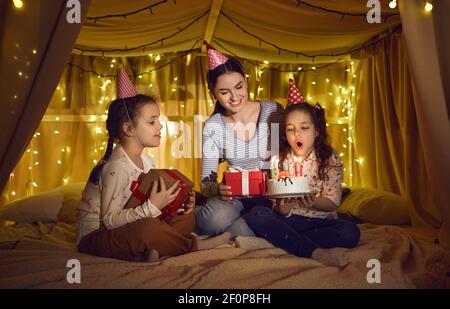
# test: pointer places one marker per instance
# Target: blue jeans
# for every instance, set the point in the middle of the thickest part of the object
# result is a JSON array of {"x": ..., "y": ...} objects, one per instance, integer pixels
[
  {"x": 300, "y": 235},
  {"x": 219, "y": 216}
]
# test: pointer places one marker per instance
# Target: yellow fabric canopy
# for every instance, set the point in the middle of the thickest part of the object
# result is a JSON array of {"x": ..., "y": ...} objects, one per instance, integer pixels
[{"x": 299, "y": 29}]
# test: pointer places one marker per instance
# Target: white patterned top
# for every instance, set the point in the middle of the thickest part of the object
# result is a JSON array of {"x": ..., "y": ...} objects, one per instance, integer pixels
[
  {"x": 329, "y": 188},
  {"x": 104, "y": 202}
]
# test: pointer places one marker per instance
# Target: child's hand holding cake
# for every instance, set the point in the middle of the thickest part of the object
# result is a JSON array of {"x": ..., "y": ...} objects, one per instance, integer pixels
[
  {"x": 306, "y": 200},
  {"x": 284, "y": 206}
]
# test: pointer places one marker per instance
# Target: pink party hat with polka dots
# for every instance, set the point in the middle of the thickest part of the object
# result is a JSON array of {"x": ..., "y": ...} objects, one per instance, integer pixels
[
  {"x": 215, "y": 57},
  {"x": 295, "y": 96},
  {"x": 125, "y": 87}
]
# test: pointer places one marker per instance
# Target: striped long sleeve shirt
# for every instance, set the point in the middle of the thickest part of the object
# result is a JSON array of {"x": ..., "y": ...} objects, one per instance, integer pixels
[{"x": 220, "y": 142}]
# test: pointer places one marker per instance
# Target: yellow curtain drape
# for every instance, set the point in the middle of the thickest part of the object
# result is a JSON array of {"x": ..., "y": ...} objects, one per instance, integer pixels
[
  {"x": 390, "y": 154},
  {"x": 424, "y": 33},
  {"x": 36, "y": 42},
  {"x": 68, "y": 142}
]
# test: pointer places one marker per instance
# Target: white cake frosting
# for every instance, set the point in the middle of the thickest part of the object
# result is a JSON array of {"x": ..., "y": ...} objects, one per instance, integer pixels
[{"x": 288, "y": 186}]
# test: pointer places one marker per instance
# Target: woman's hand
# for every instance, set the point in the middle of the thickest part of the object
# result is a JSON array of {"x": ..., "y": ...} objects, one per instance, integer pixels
[
  {"x": 165, "y": 196},
  {"x": 190, "y": 203},
  {"x": 224, "y": 192}
]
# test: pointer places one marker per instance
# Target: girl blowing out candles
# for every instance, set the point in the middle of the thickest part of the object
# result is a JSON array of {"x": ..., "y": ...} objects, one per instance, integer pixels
[{"x": 307, "y": 226}]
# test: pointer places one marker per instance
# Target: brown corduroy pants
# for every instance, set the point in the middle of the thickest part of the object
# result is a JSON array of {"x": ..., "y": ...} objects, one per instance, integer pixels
[{"x": 134, "y": 241}]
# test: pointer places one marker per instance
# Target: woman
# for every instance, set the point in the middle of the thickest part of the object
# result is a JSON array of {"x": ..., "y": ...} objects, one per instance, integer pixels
[{"x": 239, "y": 131}]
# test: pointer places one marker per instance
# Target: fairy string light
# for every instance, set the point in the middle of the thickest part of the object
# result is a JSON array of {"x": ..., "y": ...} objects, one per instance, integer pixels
[
  {"x": 381, "y": 36},
  {"x": 143, "y": 46},
  {"x": 341, "y": 13},
  {"x": 182, "y": 55},
  {"x": 270, "y": 66},
  {"x": 125, "y": 15}
]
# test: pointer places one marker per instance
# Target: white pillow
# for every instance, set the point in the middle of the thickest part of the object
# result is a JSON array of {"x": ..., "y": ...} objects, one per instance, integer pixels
[{"x": 42, "y": 207}]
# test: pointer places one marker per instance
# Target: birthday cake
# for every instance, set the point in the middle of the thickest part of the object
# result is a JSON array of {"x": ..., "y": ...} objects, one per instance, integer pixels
[
  {"x": 289, "y": 181},
  {"x": 289, "y": 186}
]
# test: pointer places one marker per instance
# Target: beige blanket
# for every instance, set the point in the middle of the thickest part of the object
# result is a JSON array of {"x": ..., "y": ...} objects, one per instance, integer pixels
[{"x": 35, "y": 256}]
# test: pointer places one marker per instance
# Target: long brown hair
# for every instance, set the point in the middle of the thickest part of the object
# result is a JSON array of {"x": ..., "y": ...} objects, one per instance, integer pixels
[
  {"x": 322, "y": 145},
  {"x": 119, "y": 112}
]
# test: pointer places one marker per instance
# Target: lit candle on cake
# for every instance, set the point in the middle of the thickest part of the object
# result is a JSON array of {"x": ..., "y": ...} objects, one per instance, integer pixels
[
  {"x": 295, "y": 167},
  {"x": 291, "y": 167},
  {"x": 274, "y": 168},
  {"x": 286, "y": 165}
]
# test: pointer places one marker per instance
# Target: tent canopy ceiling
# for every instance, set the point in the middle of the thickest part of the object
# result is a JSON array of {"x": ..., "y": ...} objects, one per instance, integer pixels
[{"x": 186, "y": 23}]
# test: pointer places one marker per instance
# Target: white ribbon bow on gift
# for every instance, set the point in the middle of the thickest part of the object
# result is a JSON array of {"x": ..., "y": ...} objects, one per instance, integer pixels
[{"x": 245, "y": 181}]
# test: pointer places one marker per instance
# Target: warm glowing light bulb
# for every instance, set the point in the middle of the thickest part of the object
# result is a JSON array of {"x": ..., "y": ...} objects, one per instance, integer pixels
[
  {"x": 18, "y": 3},
  {"x": 428, "y": 6},
  {"x": 393, "y": 4}
]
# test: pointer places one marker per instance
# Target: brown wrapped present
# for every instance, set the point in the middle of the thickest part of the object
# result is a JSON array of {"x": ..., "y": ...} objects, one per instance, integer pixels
[{"x": 142, "y": 187}]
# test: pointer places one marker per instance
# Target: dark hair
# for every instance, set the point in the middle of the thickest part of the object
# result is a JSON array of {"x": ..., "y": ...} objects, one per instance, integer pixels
[
  {"x": 119, "y": 112},
  {"x": 232, "y": 65},
  {"x": 322, "y": 145}
]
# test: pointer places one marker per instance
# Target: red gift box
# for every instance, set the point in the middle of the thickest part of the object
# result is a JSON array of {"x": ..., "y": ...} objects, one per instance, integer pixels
[
  {"x": 142, "y": 187},
  {"x": 246, "y": 183}
]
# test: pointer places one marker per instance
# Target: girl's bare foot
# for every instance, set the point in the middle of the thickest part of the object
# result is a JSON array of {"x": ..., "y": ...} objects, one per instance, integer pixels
[
  {"x": 331, "y": 257},
  {"x": 153, "y": 256},
  {"x": 212, "y": 242}
]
